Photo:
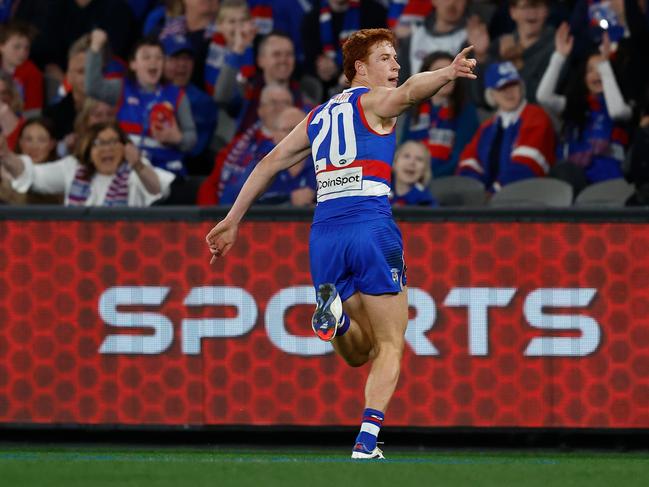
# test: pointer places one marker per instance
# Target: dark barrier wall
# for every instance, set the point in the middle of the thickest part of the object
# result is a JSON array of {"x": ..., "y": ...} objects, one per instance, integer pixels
[{"x": 528, "y": 320}]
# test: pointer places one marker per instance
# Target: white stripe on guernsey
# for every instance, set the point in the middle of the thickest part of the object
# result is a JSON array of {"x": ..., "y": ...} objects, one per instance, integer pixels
[
  {"x": 370, "y": 188},
  {"x": 473, "y": 164},
  {"x": 370, "y": 428},
  {"x": 532, "y": 153}
]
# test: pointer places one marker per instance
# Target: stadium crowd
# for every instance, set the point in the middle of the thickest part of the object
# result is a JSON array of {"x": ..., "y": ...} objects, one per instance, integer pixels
[{"x": 140, "y": 102}]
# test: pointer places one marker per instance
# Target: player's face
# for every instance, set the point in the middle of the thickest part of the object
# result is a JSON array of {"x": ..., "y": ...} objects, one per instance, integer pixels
[
  {"x": 382, "y": 66},
  {"x": 107, "y": 152},
  {"x": 147, "y": 65},
  {"x": 410, "y": 165},
  {"x": 36, "y": 142},
  {"x": 593, "y": 79},
  {"x": 509, "y": 97}
]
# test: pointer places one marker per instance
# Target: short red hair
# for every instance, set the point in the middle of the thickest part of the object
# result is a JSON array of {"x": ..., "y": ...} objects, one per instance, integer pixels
[{"x": 358, "y": 45}]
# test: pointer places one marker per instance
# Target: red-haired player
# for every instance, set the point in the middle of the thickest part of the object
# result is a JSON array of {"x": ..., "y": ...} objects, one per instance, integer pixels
[{"x": 356, "y": 251}]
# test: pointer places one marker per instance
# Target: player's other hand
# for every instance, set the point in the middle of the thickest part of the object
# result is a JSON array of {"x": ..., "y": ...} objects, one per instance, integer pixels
[
  {"x": 221, "y": 238},
  {"x": 462, "y": 66}
]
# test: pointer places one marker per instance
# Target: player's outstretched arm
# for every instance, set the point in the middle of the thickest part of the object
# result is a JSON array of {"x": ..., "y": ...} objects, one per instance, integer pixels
[
  {"x": 392, "y": 102},
  {"x": 292, "y": 149}
]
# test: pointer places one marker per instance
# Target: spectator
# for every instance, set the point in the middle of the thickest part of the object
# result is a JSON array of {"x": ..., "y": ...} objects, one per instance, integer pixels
[
  {"x": 37, "y": 141},
  {"x": 276, "y": 62},
  {"x": 325, "y": 30},
  {"x": 11, "y": 106},
  {"x": 156, "y": 116},
  {"x": 65, "y": 110},
  {"x": 628, "y": 32},
  {"x": 444, "y": 29},
  {"x": 518, "y": 142},
  {"x": 107, "y": 171},
  {"x": 34, "y": 140},
  {"x": 445, "y": 123},
  {"x": 230, "y": 49},
  {"x": 593, "y": 111},
  {"x": 38, "y": 14},
  {"x": 245, "y": 149},
  {"x": 529, "y": 46},
  {"x": 410, "y": 175},
  {"x": 178, "y": 67},
  {"x": 15, "y": 41},
  {"x": 92, "y": 112},
  {"x": 294, "y": 186},
  {"x": 198, "y": 24}
]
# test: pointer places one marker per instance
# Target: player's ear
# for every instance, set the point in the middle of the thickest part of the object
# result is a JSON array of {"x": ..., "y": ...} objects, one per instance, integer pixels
[{"x": 361, "y": 67}]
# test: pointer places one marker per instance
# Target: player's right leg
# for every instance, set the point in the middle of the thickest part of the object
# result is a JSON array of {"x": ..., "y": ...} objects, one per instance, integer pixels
[{"x": 344, "y": 324}]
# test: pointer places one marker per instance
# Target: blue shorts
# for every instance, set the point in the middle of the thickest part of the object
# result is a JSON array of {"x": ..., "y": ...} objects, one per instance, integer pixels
[{"x": 361, "y": 256}]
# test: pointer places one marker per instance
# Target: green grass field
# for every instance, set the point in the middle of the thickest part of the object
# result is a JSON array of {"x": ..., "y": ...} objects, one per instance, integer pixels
[{"x": 96, "y": 466}]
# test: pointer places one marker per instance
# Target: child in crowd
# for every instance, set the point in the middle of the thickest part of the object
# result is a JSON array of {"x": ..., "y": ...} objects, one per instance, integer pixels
[
  {"x": 410, "y": 175},
  {"x": 11, "y": 107},
  {"x": 593, "y": 111},
  {"x": 231, "y": 45},
  {"x": 445, "y": 123},
  {"x": 15, "y": 43},
  {"x": 107, "y": 170},
  {"x": 156, "y": 115}
]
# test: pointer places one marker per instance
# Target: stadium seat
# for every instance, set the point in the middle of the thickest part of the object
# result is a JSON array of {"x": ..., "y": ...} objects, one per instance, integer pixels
[
  {"x": 542, "y": 192},
  {"x": 613, "y": 192},
  {"x": 457, "y": 191}
]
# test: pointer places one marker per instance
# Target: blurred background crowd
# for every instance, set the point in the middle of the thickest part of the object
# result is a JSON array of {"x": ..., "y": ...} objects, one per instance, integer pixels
[{"x": 141, "y": 102}]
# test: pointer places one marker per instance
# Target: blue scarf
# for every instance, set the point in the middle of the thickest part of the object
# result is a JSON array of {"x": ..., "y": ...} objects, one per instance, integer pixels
[
  {"x": 117, "y": 194},
  {"x": 351, "y": 23}
]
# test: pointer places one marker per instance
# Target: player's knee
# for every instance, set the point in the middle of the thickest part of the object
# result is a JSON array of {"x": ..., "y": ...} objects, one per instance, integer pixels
[
  {"x": 390, "y": 350},
  {"x": 356, "y": 360}
]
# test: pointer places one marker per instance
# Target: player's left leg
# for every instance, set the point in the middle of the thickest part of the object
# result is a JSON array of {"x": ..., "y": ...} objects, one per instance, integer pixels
[{"x": 388, "y": 316}]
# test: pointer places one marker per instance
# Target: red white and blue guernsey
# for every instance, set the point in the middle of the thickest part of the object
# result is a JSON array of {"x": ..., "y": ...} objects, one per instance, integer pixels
[
  {"x": 354, "y": 241},
  {"x": 353, "y": 163}
]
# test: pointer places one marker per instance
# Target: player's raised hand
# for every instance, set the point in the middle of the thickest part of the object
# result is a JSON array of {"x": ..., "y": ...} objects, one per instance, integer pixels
[
  {"x": 462, "y": 66},
  {"x": 221, "y": 238}
]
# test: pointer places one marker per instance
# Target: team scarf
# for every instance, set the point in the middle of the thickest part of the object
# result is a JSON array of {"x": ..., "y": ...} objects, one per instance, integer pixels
[
  {"x": 216, "y": 58},
  {"x": 408, "y": 12},
  {"x": 261, "y": 12},
  {"x": 601, "y": 136},
  {"x": 177, "y": 26},
  {"x": 435, "y": 126},
  {"x": 351, "y": 23},
  {"x": 251, "y": 147},
  {"x": 117, "y": 194}
]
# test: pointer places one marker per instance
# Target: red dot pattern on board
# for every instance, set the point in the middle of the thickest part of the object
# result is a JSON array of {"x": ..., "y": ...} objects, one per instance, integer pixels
[{"x": 50, "y": 329}]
